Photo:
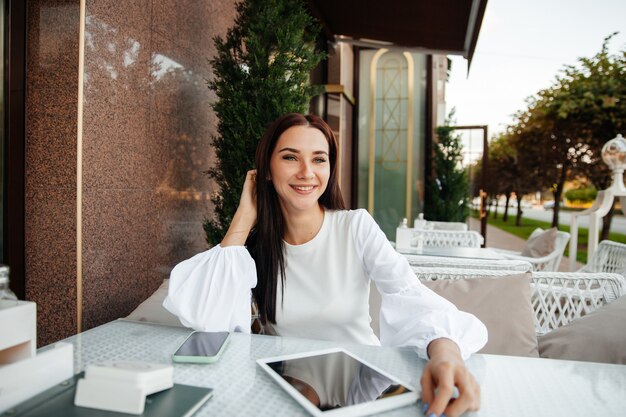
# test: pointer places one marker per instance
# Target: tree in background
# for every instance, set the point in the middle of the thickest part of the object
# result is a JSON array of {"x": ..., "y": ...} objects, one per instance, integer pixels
[
  {"x": 448, "y": 190},
  {"x": 565, "y": 125},
  {"x": 502, "y": 171},
  {"x": 261, "y": 72},
  {"x": 552, "y": 148},
  {"x": 526, "y": 171},
  {"x": 512, "y": 169},
  {"x": 593, "y": 98}
]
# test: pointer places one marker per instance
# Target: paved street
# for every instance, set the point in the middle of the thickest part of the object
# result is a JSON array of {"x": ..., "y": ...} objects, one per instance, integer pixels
[{"x": 618, "y": 224}]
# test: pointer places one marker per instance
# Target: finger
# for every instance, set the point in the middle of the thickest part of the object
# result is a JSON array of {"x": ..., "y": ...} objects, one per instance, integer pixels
[
  {"x": 477, "y": 402},
  {"x": 445, "y": 389},
  {"x": 428, "y": 387},
  {"x": 468, "y": 399}
]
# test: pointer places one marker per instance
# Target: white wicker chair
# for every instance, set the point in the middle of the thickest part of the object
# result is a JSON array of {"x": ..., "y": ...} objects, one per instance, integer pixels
[
  {"x": 609, "y": 257},
  {"x": 560, "y": 297},
  {"x": 547, "y": 263},
  {"x": 450, "y": 238},
  {"x": 557, "y": 298},
  {"x": 443, "y": 262}
]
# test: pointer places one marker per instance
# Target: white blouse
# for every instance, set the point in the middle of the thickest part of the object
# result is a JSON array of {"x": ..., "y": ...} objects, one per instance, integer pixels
[{"x": 326, "y": 292}]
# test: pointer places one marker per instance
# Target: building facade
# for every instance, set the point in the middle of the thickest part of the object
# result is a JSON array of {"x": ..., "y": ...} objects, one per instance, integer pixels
[{"x": 105, "y": 189}]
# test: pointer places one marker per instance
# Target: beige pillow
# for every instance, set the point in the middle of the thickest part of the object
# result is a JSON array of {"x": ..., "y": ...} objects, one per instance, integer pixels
[
  {"x": 597, "y": 337},
  {"x": 541, "y": 243},
  {"x": 152, "y": 309},
  {"x": 502, "y": 304}
]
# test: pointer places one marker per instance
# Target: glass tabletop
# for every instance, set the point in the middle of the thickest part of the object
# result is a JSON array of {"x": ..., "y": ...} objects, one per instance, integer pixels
[{"x": 511, "y": 386}]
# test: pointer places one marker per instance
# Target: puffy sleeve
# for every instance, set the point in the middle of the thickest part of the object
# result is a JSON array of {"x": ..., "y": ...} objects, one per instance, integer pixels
[
  {"x": 411, "y": 314},
  {"x": 212, "y": 290}
]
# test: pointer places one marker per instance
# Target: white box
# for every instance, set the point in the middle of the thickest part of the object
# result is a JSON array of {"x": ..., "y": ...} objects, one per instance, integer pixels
[
  {"x": 149, "y": 377},
  {"x": 18, "y": 330},
  {"x": 109, "y": 395},
  {"x": 29, "y": 377},
  {"x": 122, "y": 386}
]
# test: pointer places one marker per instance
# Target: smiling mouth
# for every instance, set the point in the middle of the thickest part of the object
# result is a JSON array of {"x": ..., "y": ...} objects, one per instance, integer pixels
[{"x": 303, "y": 188}]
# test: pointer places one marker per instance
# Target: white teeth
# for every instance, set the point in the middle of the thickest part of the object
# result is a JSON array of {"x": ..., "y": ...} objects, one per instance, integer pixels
[{"x": 307, "y": 188}]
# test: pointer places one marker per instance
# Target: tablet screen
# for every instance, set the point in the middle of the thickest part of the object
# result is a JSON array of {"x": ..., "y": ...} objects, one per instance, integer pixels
[{"x": 336, "y": 379}]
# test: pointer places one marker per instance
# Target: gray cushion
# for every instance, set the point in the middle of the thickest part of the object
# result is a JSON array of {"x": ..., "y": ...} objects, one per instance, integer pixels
[
  {"x": 541, "y": 243},
  {"x": 502, "y": 304},
  {"x": 597, "y": 337},
  {"x": 152, "y": 309}
]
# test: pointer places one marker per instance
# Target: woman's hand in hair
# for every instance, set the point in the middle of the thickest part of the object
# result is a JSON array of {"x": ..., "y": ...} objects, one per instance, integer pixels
[
  {"x": 247, "y": 201},
  {"x": 245, "y": 216},
  {"x": 444, "y": 371}
]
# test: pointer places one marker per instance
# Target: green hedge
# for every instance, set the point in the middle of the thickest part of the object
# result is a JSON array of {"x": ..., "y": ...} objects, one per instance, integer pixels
[{"x": 583, "y": 195}]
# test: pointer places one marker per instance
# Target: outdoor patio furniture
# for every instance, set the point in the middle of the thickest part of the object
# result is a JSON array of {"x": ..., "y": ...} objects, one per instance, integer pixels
[
  {"x": 447, "y": 238},
  {"x": 614, "y": 155},
  {"x": 561, "y": 297},
  {"x": 549, "y": 262},
  {"x": 609, "y": 257},
  {"x": 422, "y": 261},
  {"x": 436, "y": 239},
  {"x": 553, "y": 299},
  {"x": 557, "y": 298},
  {"x": 456, "y": 226}
]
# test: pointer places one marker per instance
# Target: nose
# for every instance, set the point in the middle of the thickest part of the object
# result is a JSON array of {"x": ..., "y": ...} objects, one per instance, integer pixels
[{"x": 306, "y": 170}]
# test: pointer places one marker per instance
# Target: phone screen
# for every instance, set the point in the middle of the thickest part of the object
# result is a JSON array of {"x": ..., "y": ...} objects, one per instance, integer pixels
[{"x": 202, "y": 344}]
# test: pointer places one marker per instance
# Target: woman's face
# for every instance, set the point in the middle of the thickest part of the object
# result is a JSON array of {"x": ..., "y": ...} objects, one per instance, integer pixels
[{"x": 300, "y": 168}]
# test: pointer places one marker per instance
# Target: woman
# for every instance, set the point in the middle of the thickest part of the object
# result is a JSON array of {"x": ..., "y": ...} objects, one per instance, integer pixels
[{"x": 309, "y": 263}]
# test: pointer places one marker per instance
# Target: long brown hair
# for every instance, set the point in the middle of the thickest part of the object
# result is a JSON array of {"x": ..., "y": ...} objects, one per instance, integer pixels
[{"x": 265, "y": 242}]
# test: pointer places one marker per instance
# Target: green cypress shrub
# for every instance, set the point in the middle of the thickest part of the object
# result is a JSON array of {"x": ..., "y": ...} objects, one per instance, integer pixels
[
  {"x": 261, "y": 71},
  {"x": 448, "y": 190}
]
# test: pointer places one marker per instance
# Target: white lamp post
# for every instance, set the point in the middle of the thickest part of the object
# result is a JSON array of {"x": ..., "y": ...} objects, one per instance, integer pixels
[{"x": 614, "y": 155}]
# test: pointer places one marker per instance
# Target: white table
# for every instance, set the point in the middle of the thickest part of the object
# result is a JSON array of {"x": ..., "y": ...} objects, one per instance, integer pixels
[
  {"x": 458, "y": 252},
  {"x": 511, "y": 386}
]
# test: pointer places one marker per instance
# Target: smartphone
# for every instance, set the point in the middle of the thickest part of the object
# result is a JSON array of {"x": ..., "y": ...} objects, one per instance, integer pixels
[{"x": 201, "y": 347}]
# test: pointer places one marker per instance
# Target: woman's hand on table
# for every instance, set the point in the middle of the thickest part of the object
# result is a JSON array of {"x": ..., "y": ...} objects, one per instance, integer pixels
[{"x": 444, "y": 371}]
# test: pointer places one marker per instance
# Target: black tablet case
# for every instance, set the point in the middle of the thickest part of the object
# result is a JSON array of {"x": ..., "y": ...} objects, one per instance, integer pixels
[{"x": 58, "y": 401}]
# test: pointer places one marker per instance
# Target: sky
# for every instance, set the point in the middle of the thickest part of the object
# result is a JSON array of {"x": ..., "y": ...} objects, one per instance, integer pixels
[{"x": 521, "y": 48}]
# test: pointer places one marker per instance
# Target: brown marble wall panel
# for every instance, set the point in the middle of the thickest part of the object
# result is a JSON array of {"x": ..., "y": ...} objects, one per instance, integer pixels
[
  {"x": 181, "y": 122},
  {"x": 181, "y": 126},
  {"x": 192, "y": 24},
  {"x": 146, "y": 143},
  {"x": 116, "y": 252},
  {"x": 50, "y": 201},
  {"x": 147, "y": 128}
]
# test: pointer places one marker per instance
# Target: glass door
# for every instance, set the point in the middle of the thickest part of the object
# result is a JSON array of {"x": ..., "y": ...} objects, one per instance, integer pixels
[{"x": 391, "y": 127}]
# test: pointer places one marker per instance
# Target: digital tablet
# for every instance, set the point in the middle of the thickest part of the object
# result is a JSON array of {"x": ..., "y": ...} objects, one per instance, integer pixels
[{"x": 334, "y": 382}]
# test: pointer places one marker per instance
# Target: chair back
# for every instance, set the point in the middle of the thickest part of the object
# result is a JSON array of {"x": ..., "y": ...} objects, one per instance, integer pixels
[
  {"x": 609, "y": 257},
  {"x": 552, "y": 261},
  {"x": 456, "y": 226},
  {"x": 557, "y": 298},
  {"x": 561, "y": 297},
  {"x": 559, "y": 247},
  {"x": 450, "y": 238}
]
